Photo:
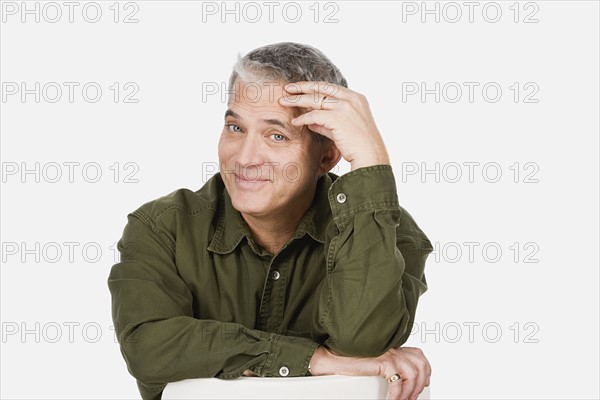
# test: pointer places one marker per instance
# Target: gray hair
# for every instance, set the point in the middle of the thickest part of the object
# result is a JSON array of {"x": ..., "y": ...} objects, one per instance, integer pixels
[{"x": 287, "y": 62}]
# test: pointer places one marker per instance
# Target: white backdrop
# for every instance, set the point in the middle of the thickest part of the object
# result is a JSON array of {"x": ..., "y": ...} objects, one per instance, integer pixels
[{"x": 489, "y": 111}]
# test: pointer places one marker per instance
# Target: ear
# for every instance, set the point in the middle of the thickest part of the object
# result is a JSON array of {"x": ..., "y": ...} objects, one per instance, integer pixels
[{"x": 330, "y": 156}]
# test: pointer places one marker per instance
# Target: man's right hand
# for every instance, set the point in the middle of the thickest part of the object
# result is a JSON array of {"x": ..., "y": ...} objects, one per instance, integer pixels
[{"x": 409, "y": 362}]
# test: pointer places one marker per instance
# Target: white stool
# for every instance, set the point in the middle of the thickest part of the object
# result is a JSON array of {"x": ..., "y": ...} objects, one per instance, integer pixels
[{"x": 309, "y": 387}]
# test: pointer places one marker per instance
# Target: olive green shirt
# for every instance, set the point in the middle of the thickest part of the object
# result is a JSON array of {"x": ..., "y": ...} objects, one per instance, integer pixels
[{"x": 194, "y": 296}]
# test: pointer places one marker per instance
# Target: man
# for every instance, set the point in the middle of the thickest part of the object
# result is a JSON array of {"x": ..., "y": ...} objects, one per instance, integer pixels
[{"x": 276, "y": 266}]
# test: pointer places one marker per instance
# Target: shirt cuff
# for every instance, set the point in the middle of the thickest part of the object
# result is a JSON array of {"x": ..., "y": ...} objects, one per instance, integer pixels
[
  {"x": 290, "y": 356},
  {"x": 363, "y": 189}
]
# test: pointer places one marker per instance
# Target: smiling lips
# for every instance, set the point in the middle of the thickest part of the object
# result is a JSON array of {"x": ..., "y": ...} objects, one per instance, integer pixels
[
  {"x": 249, "y": 183},
  {"x": 249, "y": 179}
]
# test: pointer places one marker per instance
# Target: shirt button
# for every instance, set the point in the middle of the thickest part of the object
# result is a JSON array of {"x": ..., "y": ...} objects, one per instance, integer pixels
[
  {"x": 341, "y": 197},
  {"x": 284, "y": 371},
  {"x": 275, "y": 275}
]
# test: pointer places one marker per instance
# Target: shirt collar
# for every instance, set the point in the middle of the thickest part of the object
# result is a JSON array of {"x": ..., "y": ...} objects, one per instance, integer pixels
[{"x": 231, "y": 227}]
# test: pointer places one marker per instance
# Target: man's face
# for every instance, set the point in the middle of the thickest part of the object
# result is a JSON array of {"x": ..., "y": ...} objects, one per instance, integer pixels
[{"x": 269, "y": 166}]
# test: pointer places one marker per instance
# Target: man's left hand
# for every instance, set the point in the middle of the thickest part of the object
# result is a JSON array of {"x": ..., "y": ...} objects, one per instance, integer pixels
[{"x": 344, "y": 117}]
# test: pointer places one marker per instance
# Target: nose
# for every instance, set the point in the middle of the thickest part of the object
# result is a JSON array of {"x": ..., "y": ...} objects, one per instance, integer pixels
[{"x": 250, "y": 157}]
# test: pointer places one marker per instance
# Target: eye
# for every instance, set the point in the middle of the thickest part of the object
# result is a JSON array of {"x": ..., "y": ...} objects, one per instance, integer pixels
[
  {"x": 278, "y": 137},
  {"x": 229, "y": 126}
]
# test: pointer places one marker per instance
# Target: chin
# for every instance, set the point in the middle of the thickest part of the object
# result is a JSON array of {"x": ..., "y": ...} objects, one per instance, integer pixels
[{"x": 249, "y": 205}]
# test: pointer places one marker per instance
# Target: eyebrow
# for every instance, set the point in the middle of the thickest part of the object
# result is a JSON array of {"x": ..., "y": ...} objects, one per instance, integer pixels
[{"x": 230, "y": 113}]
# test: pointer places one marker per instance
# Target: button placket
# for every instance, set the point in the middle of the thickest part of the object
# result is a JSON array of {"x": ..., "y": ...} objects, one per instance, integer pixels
[{"x": 272, "y": 303}]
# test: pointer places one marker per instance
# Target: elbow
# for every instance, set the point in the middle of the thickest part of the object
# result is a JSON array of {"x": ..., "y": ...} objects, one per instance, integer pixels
[
  {"x": 142, "y": 363},
  {"x": 370, "y": 340}
]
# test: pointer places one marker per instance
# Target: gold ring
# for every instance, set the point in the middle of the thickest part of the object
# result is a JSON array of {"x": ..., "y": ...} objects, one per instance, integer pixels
[
  {"x": 322, "y": 101},
  {"x": 393, "y": 378}
]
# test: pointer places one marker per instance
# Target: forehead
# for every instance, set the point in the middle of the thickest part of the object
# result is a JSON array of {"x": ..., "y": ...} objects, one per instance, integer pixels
[
  {"x": 263, "y": 91},
  {"x": 260, "y": 96}
]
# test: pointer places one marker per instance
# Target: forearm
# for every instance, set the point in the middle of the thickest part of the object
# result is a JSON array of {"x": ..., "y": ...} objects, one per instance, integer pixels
[
  {"x": 325, "y": 362},
  {"x": 161, "y": 339},
  {"x": 164, "y": 343},
  {"x": 375, "y": 266},
  {"x": 180, "y": 348},
  {"x": 367, "y": 305},
  {"x": 185, "y": 348}
]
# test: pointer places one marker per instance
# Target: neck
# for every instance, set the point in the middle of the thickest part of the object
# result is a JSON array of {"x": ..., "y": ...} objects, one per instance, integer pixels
[{"x": 271, "y": 232}]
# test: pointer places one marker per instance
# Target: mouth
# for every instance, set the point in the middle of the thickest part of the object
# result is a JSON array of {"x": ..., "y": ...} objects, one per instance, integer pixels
[
  {"x": 249, "y": 184},
  {"x": 239, "y": 178}
]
